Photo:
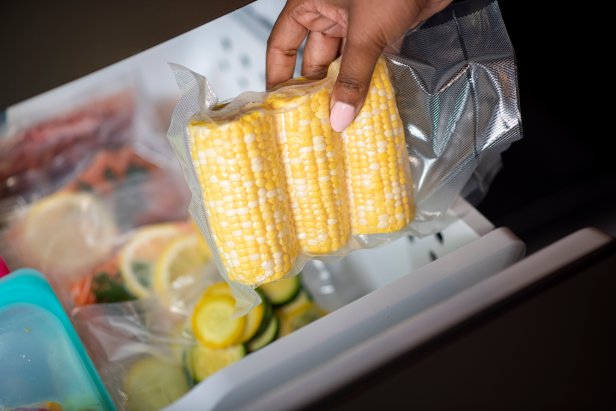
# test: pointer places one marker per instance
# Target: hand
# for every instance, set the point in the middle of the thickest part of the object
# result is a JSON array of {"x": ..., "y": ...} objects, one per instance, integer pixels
[{"x": 361, "y": 28}]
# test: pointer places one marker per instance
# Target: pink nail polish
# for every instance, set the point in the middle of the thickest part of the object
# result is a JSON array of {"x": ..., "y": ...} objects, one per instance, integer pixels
[{"x": 341, "y": 116}]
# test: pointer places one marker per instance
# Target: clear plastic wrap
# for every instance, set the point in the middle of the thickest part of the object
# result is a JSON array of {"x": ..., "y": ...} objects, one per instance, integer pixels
[
  {"x": 138, "y": 348},
  {"x": 456, "y": 93},
  {"x": 38, "y": 157},
  {"x": 82, "y": 168},
  {"x": 149, "y": 354},
  {"x": 77, "y": 235},
  {"x": 281, "y": 187}
]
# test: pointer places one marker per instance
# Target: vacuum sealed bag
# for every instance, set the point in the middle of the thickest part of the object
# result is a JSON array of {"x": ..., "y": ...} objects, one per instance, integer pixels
[
  {"x": 149, "y": 354},
  {"x": 139, "y": 349},
  {"x": 274, "y": 186}
]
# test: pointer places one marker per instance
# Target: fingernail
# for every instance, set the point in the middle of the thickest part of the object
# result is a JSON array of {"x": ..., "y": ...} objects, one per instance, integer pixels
[{"x": 341, "y": 116}]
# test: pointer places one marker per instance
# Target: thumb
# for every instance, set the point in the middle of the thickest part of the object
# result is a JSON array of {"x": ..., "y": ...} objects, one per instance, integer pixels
[{"x": 351, "y": 87}]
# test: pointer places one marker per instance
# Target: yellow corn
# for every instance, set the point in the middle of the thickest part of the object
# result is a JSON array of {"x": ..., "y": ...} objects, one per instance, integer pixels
[
  {"x": 278, "y": 181},
  {"x": 377, "y": 162},
  {"x": 237, "y": 165},
  {"x": 313, "y": 158}
]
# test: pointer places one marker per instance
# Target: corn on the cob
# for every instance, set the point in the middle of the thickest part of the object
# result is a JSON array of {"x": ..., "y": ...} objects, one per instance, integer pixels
[
  {"x": 238, "y": 167},
  {"x": 313, "y": 157},
  {"x": 277, "y": 180},
  {"x": 377, "y": 162}
]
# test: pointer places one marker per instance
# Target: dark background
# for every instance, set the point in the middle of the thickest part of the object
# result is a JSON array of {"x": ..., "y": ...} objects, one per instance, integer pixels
[{"x": 561, "y": 175}]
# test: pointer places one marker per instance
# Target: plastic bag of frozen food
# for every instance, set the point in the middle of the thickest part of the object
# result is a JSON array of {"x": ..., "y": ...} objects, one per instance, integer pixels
[
  {"x": 84, "y": 172},
  {"x": 38, "y": 155},
  {"x": 276, "y": 176},
  {"x": 456, "y": 94},
  {"x": 138, "y": 348},
  {"x": 149, "y": 354},
  {"x": 91, "y": 133},
  {"x": 98, "y": 239}
]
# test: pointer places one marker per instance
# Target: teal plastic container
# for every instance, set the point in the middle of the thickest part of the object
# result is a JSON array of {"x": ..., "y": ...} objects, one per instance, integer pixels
[{"x": 41, "y": 357}]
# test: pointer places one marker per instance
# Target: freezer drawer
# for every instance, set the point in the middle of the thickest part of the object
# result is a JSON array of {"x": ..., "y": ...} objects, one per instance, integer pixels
[
  {"x": 463, "y": 326},
  {"x": 404, "y": 295}
]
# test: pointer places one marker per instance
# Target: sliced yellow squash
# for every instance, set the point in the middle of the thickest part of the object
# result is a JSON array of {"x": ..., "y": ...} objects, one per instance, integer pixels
[
  {"x": 206, "y": 361},
  {"x": 213, "y": 322}
]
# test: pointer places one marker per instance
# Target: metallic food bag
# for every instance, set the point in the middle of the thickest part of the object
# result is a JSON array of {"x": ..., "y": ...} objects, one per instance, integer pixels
[{"x": 456, "y": 84}]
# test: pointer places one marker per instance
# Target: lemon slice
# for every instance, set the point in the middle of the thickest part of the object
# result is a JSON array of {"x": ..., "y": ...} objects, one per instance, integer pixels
[
  {"x": 138, "y": 257},
  {"x": 180, "y": 261},
  {"x": 68, "y": 233}
]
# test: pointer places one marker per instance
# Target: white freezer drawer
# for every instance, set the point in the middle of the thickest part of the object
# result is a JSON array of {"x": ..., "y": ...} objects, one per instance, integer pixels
[{"x": 396, "y": 292}]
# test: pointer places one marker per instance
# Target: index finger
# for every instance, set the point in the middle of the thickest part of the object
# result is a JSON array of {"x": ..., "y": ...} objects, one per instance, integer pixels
[{"x": 282, "y": 45}]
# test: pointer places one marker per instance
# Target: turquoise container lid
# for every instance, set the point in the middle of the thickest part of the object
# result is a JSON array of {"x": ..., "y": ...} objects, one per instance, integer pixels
[{"x": 41, "y": 356}]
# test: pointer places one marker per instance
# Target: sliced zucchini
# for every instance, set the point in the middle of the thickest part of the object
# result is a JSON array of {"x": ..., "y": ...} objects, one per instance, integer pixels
[
  {"x": 204, "y": 361},
  {"x": 254, "y": 320},
  {"x": 300, "y": 303},
  {"x": 268, "y": 312},
  {"x": 299, "y": 315},
  {"x": 301, "y": 318},
  {"x": 285, "y": 325},
  {"x": 152, "y": 384},
  {"x": 269, "y": 335},
  {"x": 283, "y": 291},
  {"x": 219, "y": 288},
  {"x": 214, "y": 324}
]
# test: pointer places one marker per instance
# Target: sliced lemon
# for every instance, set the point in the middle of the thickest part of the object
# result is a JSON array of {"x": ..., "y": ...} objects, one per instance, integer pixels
[
  {"x": 68, "y": 232},
  {"x": 138, "y": 257},
  {"x": 181, "y": 260}
]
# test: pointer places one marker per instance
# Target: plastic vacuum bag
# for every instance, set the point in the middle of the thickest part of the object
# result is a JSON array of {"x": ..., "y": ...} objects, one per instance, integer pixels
[
  {"x": 82, "y": 168},
  {"x": 458, "y": 97},
  {"x": 456, "y": 91},
  {"x": 281, "y": 186},
  {"x": 139, "y": 349},
  {"x": 149, "y": 354}
]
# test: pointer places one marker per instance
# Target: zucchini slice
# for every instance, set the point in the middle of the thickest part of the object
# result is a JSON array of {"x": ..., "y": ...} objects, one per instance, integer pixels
[
  {"x": 219, "y": 288},
  {"x": 269, "y": 335},
  {"x": 254, "y": 320},
  {"x": 268, "y": 313},
  {"x": 152, "y": 384},
  {"x": 213, "y": 322},
  {"x": 204, "y": 361},
  {"x": 283, "y": 291},
  {"x": 300, "y": 303}
]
